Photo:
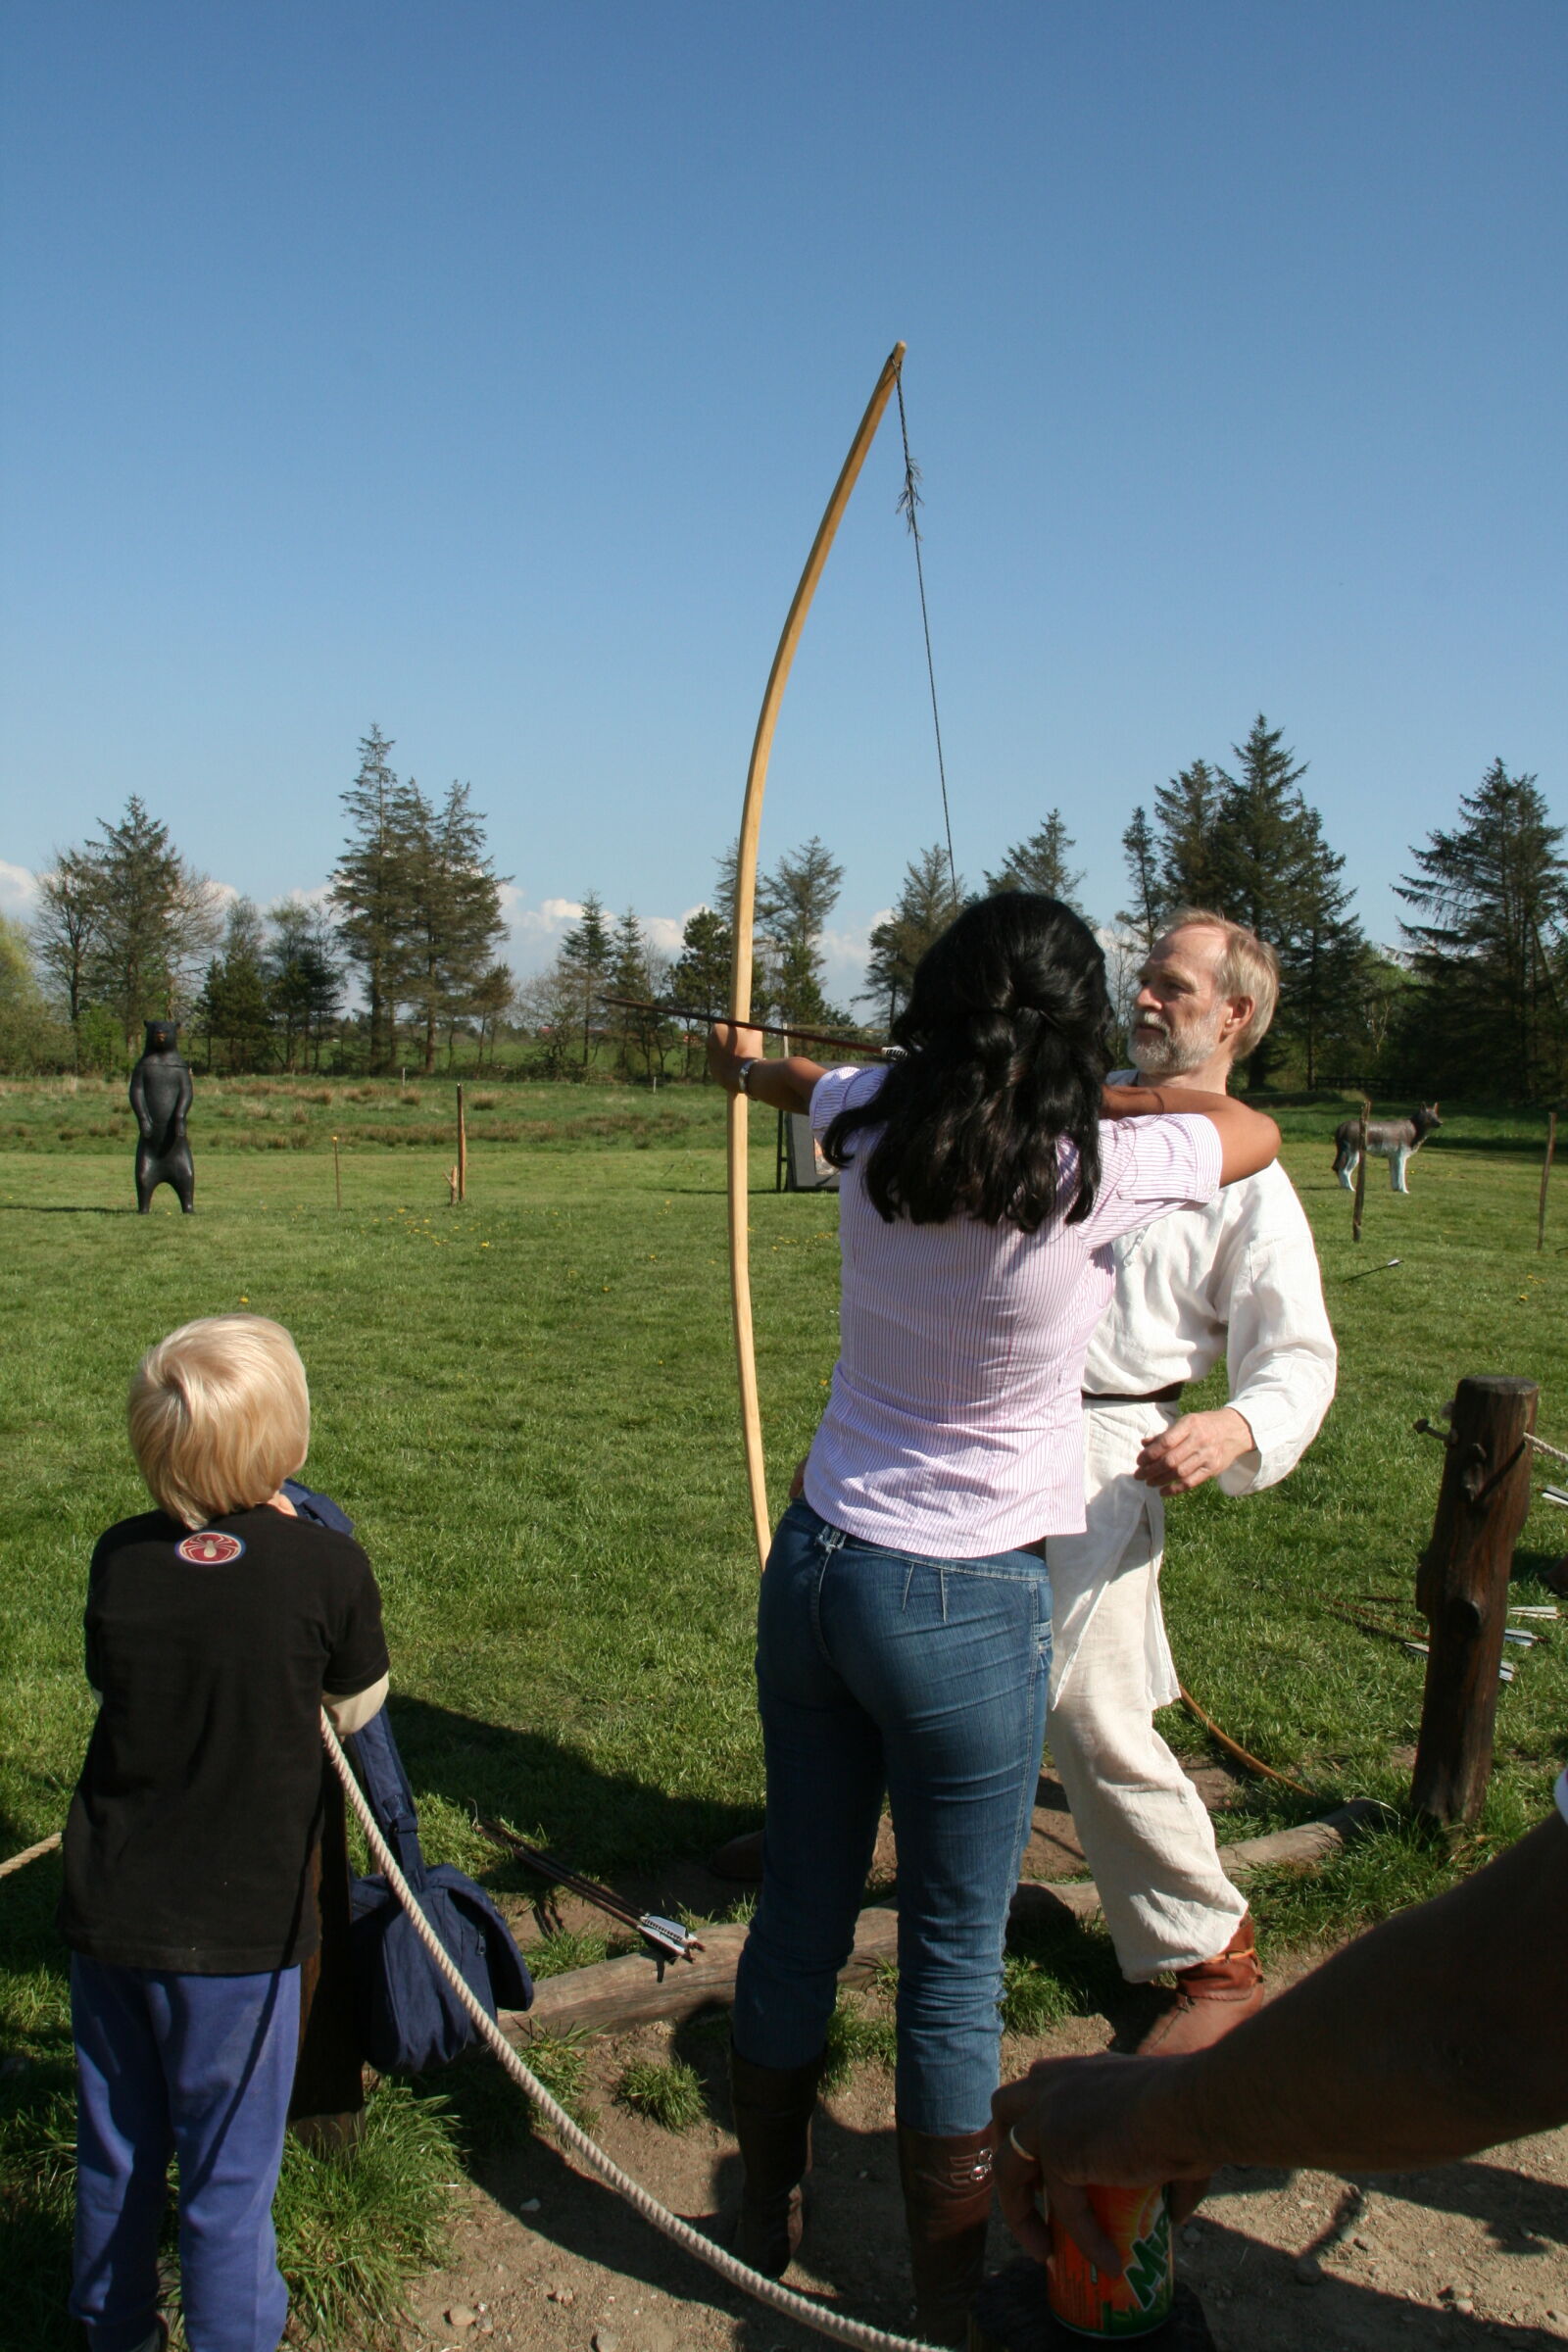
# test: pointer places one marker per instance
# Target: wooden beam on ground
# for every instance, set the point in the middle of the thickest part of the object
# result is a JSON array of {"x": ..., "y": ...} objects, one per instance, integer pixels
[
  {"x": 1300, "y": 1848},
  {"x": 635, "y": 1990},
  {"x": 616, "y": 1994},
  {"x": 1462, "y": 1590}
]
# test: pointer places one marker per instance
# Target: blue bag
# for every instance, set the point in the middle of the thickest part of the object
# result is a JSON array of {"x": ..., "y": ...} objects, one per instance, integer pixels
[{"x": 408, "y": 2015}]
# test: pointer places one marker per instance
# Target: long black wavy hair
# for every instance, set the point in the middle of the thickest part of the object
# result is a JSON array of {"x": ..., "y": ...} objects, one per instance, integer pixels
[{"x": 1007, "y": 1039}]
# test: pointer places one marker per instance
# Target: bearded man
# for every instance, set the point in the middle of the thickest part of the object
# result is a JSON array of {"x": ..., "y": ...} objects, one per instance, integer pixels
[{"x": 1238, "y": 1279}]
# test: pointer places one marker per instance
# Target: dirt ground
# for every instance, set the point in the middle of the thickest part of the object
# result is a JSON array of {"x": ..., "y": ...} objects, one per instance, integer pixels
[{"x": 546, "y": 2260}]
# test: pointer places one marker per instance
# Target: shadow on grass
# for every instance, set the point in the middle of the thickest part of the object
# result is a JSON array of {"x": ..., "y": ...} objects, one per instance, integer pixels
[
  {"x": 550, "y": 1792},
  {"x": 39, "y": 1209}
]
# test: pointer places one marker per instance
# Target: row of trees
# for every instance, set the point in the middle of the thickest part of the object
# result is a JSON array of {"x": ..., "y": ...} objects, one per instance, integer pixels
[
  {"x": 128, "y": 931},
  {"x": 1475, "y": 1000}
]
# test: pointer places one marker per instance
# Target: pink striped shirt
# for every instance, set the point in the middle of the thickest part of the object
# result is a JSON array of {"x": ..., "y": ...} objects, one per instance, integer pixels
[{"x": 954, "y": 1427}]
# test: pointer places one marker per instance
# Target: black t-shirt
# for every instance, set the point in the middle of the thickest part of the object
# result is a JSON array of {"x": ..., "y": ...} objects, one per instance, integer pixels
[{"x": 191, "y": 1832}]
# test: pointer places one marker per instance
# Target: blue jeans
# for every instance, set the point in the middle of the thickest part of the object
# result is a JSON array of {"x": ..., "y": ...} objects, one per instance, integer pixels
[
  {"x": 202, "y": 2067},
  {"x": 877, "y": 1671}
]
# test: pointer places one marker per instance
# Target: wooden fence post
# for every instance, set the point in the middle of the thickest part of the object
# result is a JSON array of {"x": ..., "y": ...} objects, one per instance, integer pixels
[
  {"x": 1545, "y": 1173},
  {"x": 463, "y": 1150},
  {"x": 1360, "y": 1172},
  {"x": 326, "y": 2109},
  {"x": 1462, "y": 1590}
]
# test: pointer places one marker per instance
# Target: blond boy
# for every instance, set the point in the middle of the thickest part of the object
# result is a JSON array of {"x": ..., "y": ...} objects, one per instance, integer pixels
[{"x": 217, "y": 1626}]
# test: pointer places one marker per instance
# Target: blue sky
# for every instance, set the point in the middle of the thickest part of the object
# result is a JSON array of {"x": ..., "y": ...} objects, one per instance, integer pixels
[{"x": 482, "y": 371}]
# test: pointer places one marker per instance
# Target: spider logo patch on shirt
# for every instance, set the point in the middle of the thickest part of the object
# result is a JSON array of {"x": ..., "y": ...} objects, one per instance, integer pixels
[{"x": 210, "y": 1549}]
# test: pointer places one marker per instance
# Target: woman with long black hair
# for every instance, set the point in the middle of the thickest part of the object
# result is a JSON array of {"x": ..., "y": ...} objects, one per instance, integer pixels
[{"x": 903, "y": 1627}]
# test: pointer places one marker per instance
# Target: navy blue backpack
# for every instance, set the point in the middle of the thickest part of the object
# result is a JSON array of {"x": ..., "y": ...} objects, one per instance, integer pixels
[{"x": 408, "y": 2017}]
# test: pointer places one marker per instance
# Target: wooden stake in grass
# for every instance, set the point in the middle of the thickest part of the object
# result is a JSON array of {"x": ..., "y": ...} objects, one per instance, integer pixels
[
  {"x": 1462, "y": 1590},
  {"x": 1360, "y": 1172},
  {"x": 337, "y": 1173},
  {"x": 1545, "y": 1172},
  {"x": 463, "y": 1151}
]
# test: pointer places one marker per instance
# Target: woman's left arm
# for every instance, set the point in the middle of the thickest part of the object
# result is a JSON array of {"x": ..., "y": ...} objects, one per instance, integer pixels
[{"x": 786, "y": 1085}]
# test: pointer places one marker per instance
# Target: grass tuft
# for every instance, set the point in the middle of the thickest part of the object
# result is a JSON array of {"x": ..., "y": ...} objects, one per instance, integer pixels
[
  {"x": 667, "y": 2091},
  {"x": 354, "y": 2229},
  {"x": 859, "y": 2035}
]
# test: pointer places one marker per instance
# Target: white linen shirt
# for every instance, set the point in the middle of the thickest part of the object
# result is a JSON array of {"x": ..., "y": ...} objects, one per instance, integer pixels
[
  {"x": 954, "y": 1426},
  {"x": 1237, "y": 1279}
]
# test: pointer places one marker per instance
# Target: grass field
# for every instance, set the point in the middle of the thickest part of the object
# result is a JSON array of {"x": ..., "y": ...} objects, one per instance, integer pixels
[{"x": 527, "y": 1404}]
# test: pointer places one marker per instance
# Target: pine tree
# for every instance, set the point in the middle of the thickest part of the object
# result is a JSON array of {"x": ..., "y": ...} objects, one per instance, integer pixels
[
  {"x": 793, "y": 906},
  {"x": 587, "y": 953},
  {"x": 157, "y": 918},
  {"x": 303, "y": 978},
  {"x": 1257, "y": 843},
  {"x": 1321, "y": 975},
  {"x": 235, "y": 1004},
  {"x": 926, "y": 904},
  {"x": 630, "y": 976},
  {"x": 701, "y": 977},
  {"x": 1040, "y": 863},
  {"x": 372, "y": 886},
  {"x": 1272, "y": 870},
  {"x": 1141, "y": 918},
  {"x": 453, "y": 918},
  {"x": 1491, "y": 959},
  {"x": 1185, "y": 813}
]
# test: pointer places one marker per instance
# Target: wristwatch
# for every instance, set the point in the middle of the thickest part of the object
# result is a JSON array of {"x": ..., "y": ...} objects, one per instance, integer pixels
[{"x": 743, "y": 1076}]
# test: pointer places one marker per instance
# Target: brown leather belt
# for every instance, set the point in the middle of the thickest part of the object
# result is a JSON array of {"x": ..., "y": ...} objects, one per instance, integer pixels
[{"x": 1150, "y": 1397}]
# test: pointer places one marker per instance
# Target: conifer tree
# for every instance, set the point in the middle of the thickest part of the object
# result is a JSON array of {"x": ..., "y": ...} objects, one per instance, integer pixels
[
  {"x": 1185, "y": 815},
  {"x": 1490, "y": 958},
  {"x": 234, "y": 1008},
  {"x": 926, "y": 904},
  {"x": 1040, "y": 863},
  {"x": 583, "y": 966},
  {"x": 1141, "y": 918},
  {"x": 452, "y": 918},
  {"x": 304, "y": 979},
  {"x": 793, "y": 906},
  {"x": 156, "y": 918},
  {"x": 373, "y": 887}
]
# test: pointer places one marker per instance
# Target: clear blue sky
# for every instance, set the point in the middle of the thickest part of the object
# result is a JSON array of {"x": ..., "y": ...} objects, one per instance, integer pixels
[{"x": 482, "y": 371}]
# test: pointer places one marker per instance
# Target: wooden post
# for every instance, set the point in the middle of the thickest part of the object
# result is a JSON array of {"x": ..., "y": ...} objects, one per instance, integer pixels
[
  {"x": 1545, "y": 1171},
  {"x": 1462, "y": 1590},
  {"x": 337, "y": 1172},
  {"x": 463, "y": 1151},
  {"x": 327, "y": 2110},
  {"x": 1360, "y": 1172}
]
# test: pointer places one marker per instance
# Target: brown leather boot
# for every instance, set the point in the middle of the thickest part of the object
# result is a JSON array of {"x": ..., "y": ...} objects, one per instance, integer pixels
[
  {"x": 773, "y": 2109},
  {"x": 947, "y": 2203},
  {"x": 1210, "y": 1999}
]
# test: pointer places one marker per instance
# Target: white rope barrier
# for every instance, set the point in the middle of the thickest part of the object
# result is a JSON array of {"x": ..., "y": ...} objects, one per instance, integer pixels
[
  {"x": 681, "y": 2233},
  {"x": 30, "y": 1853}
]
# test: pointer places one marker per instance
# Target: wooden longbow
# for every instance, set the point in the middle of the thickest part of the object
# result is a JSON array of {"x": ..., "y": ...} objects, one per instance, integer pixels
[{"x": 740, "y": 989}]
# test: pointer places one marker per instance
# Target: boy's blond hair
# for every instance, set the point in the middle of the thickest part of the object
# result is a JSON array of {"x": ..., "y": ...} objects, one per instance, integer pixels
[
  {"x": 220, "y": 1417},
  {"x": 1247, "y": 967}
]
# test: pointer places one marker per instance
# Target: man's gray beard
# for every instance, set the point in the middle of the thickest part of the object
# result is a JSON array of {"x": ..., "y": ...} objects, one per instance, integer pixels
[{"x": 1165, "y": 1055}]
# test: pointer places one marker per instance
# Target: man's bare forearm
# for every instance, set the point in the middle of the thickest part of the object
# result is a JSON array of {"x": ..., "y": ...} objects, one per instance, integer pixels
[{"x": 1403, "y": 2050}]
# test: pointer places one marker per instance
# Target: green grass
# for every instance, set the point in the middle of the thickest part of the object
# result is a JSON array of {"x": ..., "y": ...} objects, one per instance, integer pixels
[
  {"x": 527, "y": 1404},
  {"x": 667, "y": 2091}
]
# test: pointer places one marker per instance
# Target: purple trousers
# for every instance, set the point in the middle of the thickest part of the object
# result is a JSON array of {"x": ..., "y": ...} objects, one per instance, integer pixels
[{"x": 198, "y": 2068}]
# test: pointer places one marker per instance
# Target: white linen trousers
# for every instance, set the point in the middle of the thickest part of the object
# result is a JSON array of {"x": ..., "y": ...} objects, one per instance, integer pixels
[{"x": 1167, "y": 1903}]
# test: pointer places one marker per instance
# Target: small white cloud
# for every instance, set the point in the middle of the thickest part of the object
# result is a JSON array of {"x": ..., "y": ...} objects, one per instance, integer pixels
[{"x": 18, "y": 890}]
